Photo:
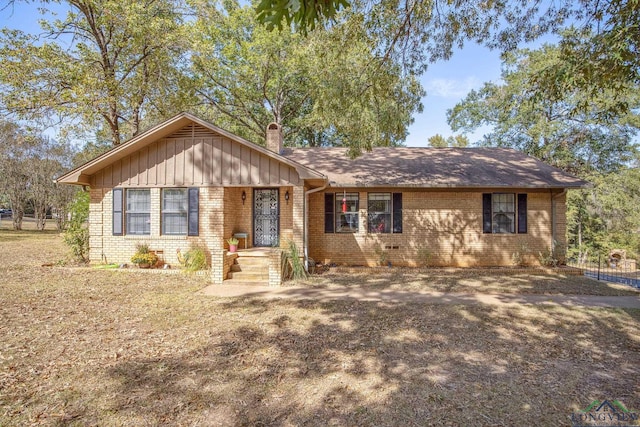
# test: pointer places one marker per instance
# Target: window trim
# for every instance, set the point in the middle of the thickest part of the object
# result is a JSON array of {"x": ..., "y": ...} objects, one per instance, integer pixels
[
  {"x": 163, "y": 211},
  {"x": 127, "y": 212},
  {"x": 520, "y": 213},
  {"x": 512, "y": 214},
  {"x": 338, "y": 213},
  {"x": 391, "y": 213}
]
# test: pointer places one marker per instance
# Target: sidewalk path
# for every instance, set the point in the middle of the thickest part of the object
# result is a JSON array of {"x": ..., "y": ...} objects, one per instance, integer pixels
[{"x": 428, "y": 297}]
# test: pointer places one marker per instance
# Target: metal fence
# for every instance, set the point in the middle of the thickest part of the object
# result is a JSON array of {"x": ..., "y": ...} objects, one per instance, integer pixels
[{"x": 615, "y": 271}]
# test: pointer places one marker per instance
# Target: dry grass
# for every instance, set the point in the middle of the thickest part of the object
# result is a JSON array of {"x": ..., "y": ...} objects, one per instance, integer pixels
[
  {"x": 491, "y": 281},
  {"x": 82, "y": 347}
]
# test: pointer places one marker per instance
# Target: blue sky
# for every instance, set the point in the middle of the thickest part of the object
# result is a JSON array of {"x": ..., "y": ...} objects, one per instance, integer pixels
[{"x": 446, "y": 82}]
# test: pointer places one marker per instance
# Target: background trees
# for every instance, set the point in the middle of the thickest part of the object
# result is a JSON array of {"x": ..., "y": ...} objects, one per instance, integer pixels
[
  {"x": 28, "y": 165},
  {"x": 426, "y": 30},
  {"x": 107, "y": 65},
  {"x": 589, "y": 133},
  {"x": 581, "y": 132},
  {"x": 327, "y": 88},
  {"x": 439, "y": 141}
]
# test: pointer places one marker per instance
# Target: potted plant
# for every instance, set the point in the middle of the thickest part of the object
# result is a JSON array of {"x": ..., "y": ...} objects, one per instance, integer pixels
[
  {"x": 233, "y": 244},
  {"x": 144, "y": 257}
]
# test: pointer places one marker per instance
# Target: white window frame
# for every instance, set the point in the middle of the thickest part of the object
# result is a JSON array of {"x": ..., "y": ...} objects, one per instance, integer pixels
[
  {"x": 140, "y": 212},
  {"x": 181, "y": 212}
]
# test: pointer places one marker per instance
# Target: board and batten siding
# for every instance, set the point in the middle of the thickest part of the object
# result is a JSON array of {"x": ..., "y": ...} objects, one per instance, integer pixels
[{"x": 196, "y": 157}]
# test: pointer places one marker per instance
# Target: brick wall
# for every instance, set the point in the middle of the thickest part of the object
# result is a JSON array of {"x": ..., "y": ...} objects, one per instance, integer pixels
[
  {"x": 104, "y": 247},
  {"x": 238, "y": 218},
  {"x": 222, "y": 213},
  {"x": 439, "y": 228}
]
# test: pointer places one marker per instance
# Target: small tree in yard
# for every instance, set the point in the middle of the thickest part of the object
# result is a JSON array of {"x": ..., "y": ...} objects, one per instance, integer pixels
[
  {"x": 77, "y": 234},
  {"x": 13, "y": 169}
]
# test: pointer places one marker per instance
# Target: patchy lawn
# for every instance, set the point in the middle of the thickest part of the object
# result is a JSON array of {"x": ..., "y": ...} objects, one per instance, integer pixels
[
  {"x": 491, "y": 281},
  {"x": 105, "y": 347}
]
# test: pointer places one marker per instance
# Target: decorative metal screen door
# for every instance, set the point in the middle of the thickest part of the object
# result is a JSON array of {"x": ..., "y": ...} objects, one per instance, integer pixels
[{"x": 266, "y": 217}]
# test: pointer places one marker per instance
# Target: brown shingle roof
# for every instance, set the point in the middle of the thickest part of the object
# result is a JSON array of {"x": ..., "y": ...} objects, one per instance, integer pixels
[{"x": 433, "y": 167}]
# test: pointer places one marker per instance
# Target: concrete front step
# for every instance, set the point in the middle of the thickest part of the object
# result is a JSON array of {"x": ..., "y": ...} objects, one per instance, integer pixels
[
  {"x": 251, "y": 266},
  {"x": 255, "y": 253},
  {"x": 249, "y": 275},
  {"x": 252, "y": 262}
]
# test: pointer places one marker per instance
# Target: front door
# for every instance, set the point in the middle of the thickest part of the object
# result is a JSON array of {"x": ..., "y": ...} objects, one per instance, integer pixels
[{"x": 266, "y": 217}]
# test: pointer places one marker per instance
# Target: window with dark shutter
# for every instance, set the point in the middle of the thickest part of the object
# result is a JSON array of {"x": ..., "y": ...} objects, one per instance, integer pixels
[
  {"x": 194, "y": 211},
  {"x": 117, "y": 211},
  {"x": 397, "y": 212},
  {"x": 137, "y": 214},
  {"x": 522, "y": 213},
  {"x": 328, "y": 213},
  {"x": 380, "y": 212},
  {"x": 347, "y": 208},
  {"x": 486, "y": 212}
]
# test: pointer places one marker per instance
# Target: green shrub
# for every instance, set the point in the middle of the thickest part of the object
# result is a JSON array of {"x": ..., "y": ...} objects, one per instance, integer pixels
[
  {"x": 76, "y": 235},
  {"x": 425, "y": 256},
  {"x": 519, "y": 257},
  {"x": 195, "y": 259},
  {"x": 144, "y": 258},
  {"x": 144, "y": 255},
  {"x": 548, "y": 258},
  {"x": 77, "y": 238},
  {"x": 381, "y": 254},
  {"x": 292, "y": 265}
]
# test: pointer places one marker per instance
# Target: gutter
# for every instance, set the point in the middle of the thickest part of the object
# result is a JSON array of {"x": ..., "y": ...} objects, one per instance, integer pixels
[{"x": 305, "y": 217}]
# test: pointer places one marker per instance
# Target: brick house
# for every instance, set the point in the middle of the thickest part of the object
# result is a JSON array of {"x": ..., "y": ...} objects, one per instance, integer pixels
[{"x": 187, "y": 181}]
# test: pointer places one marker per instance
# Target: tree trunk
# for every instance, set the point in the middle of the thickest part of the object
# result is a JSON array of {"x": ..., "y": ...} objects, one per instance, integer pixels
[
  {"x": 17, "y": 219},
  {"x": 41, "y": 222},
  {"x": 579, "y": 240}
]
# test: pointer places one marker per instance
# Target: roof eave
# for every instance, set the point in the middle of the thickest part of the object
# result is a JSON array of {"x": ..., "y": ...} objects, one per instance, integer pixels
[{"x": 333, "y": 184}]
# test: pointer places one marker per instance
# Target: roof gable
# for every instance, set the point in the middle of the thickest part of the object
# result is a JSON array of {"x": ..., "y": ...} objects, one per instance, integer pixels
[{"x": 186, "y": 150}]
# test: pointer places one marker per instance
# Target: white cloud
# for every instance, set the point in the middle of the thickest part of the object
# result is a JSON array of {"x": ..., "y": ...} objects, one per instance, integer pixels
[{"x": 451, "y": 88}]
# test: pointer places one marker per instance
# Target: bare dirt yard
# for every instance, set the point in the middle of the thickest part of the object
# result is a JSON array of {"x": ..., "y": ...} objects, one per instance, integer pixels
[{"x": 100, "y": 347}]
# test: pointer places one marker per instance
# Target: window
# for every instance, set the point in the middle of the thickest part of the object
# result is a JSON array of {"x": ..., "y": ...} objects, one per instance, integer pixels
[
  {"x": 138, "y": 212},
  {"x": 379, "y": 210},
  {"x": 180, "y": 211},
  {"x": 175, "y": 208},
  {"x": 339, "y": 218},
  {"x": 346, "y": 209},
  {"x": 504, "y": 213},
  {"x": 500, "y": 213},
  {"x": 384, "y": 212}
]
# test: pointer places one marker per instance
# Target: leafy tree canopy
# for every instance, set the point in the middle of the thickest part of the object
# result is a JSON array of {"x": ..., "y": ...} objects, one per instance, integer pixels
[
  {"x": 439, "y": 141},
  {"x": 422, "y": 31},
  {"x": 581, "y": 132},
  {"x": 107, "y": 64},
  {"x": 327, "y": 88}
]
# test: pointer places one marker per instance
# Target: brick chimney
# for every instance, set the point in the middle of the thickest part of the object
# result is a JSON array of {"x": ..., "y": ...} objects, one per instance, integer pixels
[{"x": 274, "y": 138}]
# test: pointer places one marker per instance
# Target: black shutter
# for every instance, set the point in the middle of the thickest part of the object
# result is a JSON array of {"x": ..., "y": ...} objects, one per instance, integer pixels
[
  {"x": 328, "y": 213},
  {"x": 194, "y": 211},
  {"x": 117, "y": 212},
  {"x": 486, "y": 212},
  {"x": 397, "y": 212},
  {"x": 522, "y": 213}
]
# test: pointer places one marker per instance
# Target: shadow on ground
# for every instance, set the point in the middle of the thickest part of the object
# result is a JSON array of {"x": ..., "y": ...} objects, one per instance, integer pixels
[{"x": 366, "y": 363}]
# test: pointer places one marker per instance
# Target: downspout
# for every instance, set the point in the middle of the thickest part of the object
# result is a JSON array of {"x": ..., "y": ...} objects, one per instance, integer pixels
[
  {"x": 306, "y": 223},
  {"x": 553, "y": 218}
]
